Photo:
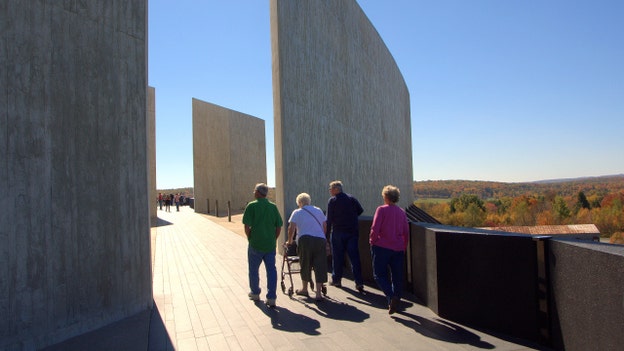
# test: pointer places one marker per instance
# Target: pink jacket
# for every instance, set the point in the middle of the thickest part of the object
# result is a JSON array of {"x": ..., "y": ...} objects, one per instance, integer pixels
[{"x": 390, "y": 228}]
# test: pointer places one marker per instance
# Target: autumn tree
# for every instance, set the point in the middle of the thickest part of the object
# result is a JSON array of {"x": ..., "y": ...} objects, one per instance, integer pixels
[
  {"x": 524, "y": 210},
  {"x": 438, "y": 210},
  {"x": 617, "y": 238},
  {"x": 583, "y": 216},
  {"x": 597, "y": 201},
  {"x": 545, "y": 218},
  {"x": 609, "y": 218}
]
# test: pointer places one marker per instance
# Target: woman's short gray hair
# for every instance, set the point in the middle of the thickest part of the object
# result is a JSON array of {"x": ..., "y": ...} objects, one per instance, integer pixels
[
  {"x": 303, "y": 199},
  {"x": 392, "y": 193}
]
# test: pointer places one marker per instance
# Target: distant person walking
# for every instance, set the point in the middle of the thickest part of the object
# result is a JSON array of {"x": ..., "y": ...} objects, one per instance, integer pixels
[
  {"x": 308, "y": 222},
  {"x": 160, "y": 200},
  {"x": 167, "y": 203},
  {"x": 388, "y": 239},
  {"x": 342, "y": 226},
  {"x": 263, "y": 225},
  {"x": 177, "y": 202}
]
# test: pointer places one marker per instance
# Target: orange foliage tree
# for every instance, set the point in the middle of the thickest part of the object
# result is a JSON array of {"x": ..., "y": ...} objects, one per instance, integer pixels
[{"x": 600, "y": 202}]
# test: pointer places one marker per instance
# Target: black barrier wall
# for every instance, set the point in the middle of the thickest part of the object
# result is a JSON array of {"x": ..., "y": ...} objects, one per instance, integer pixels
[
  {"x": 488, "y": 281},
  {"x": 563, "y": 294}
]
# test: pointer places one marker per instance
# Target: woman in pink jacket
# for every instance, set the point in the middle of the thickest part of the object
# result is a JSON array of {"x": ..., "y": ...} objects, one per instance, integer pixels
[{"x": 388, "y": 240}]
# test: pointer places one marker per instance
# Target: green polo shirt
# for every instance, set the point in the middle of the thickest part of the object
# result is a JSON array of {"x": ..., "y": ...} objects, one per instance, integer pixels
[{"x": 263, "y": 218}]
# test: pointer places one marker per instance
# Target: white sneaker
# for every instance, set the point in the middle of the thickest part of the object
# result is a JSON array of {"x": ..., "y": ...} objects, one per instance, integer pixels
[
  {"x": 254, "y": 297},
  {"x": 270, "y": 302}
]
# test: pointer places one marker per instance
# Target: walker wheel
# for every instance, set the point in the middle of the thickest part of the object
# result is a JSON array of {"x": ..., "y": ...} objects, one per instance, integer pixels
[
  {"x": 324, "y": 289},
  {"x": 290, "y": 292}
]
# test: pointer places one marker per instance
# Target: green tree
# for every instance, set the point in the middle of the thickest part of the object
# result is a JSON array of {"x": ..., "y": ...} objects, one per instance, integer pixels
[
  {"x": 474, "y": 216},
  {"x": 522, "y": 214},
  {"x": 460, "y": 204},
  {"x": 560, "y": 209},
  {"x": 595, "y": 200},
  {"x": 581, "y": 202}
]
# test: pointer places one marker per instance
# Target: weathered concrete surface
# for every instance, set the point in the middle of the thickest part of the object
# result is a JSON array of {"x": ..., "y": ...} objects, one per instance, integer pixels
[
  {"x": 341, "y": 106},
  {"x": 229, "y": 156},
  {"x": 151, "y": 152},
  {"x": 587, "y": 297},
  {"x": 74, "y": 239}
]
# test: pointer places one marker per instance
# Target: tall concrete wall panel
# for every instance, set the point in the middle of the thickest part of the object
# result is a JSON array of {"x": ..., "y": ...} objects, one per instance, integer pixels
[
  {"x": 341, "y": 105},
  {"x": 151, "y": 151},
  {"x": 229, "y": 156},
  {"x": 587, "y": 297},
  {"x": 74, "y": 239}
]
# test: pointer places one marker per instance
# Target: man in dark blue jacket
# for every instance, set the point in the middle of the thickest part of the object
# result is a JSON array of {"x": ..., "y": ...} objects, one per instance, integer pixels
[{"x": 343, "y": 211}]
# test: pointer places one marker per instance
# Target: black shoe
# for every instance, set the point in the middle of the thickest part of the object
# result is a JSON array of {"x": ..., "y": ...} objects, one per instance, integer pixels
[
  {"x": 394, "y": 304},
  {"x": 360, "y": 288}
]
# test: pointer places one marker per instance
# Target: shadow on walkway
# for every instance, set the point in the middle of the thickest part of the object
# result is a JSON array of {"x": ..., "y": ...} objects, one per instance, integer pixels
[
  {"x": 285, "y": 320},
  {"x": 127, "y": 334},
  {"x": 441, "y": 330},
  {"x": 333, "y": 309},
  {"x": 158, "y": 337},
  {"x": 160, "y": 222}
]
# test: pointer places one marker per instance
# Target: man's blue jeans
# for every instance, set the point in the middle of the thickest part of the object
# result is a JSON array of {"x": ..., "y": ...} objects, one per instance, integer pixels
[
  {"x": 255, "y": 258},
  {"x": 341, "y": 242},
  {"x": 382, "y": 258}
]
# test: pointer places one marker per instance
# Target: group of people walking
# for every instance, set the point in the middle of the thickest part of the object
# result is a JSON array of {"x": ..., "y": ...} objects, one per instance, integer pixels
[
  {"x": 170, "y": 199},
  {"x": 310, "y": 229}
]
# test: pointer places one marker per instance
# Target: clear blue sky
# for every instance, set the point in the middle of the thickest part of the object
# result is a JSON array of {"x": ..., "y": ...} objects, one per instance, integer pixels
[{"x": 501, "y": 90}]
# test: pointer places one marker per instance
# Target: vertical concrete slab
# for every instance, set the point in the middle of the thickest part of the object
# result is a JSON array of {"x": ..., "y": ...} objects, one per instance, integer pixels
[
  {"x": 229, "y": 156},
  {"x": 151, "y": 152},
  {"x": 587, "y": 295},
  {"x": 74, "y": 239},
  {"x": 341, "y": 106}
]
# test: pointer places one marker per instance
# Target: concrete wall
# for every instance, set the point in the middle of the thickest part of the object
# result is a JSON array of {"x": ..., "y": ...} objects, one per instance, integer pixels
[
  {"x": 229, "y": 157},
  {"x": 74, "y": 239},
  {"x": 151, "y": 151},
  {"x": 588, "y": 295},
  {"x": 341, "y": 106}
]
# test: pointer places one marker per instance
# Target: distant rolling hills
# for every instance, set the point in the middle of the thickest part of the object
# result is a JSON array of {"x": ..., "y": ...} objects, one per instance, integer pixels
[{"x": 601, "y": 185}]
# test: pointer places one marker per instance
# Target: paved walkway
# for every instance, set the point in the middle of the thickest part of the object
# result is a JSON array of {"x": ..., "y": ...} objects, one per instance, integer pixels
[{"x": 200, "y": 295}]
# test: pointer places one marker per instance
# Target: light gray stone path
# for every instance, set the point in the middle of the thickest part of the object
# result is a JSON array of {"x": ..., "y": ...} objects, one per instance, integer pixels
[{"x": 200, "y": 294}]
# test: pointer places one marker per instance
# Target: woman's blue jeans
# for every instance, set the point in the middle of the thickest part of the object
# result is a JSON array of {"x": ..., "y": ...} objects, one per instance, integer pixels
[
  {"x": 392, "y": 285},
  {"x": 255, "y": 258}
]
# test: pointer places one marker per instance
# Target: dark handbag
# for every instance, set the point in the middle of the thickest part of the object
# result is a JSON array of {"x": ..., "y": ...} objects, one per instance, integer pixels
[{"x": 291, "y": 250}]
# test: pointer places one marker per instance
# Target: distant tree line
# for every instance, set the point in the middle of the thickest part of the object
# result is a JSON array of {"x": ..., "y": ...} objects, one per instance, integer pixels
[
  {"x": 447, "y": 189},
  {"x": 598, "y": 201}
]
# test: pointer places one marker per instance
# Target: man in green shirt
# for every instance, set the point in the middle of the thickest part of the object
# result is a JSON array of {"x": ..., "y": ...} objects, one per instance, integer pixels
[{"x": 263, "y": 225}]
